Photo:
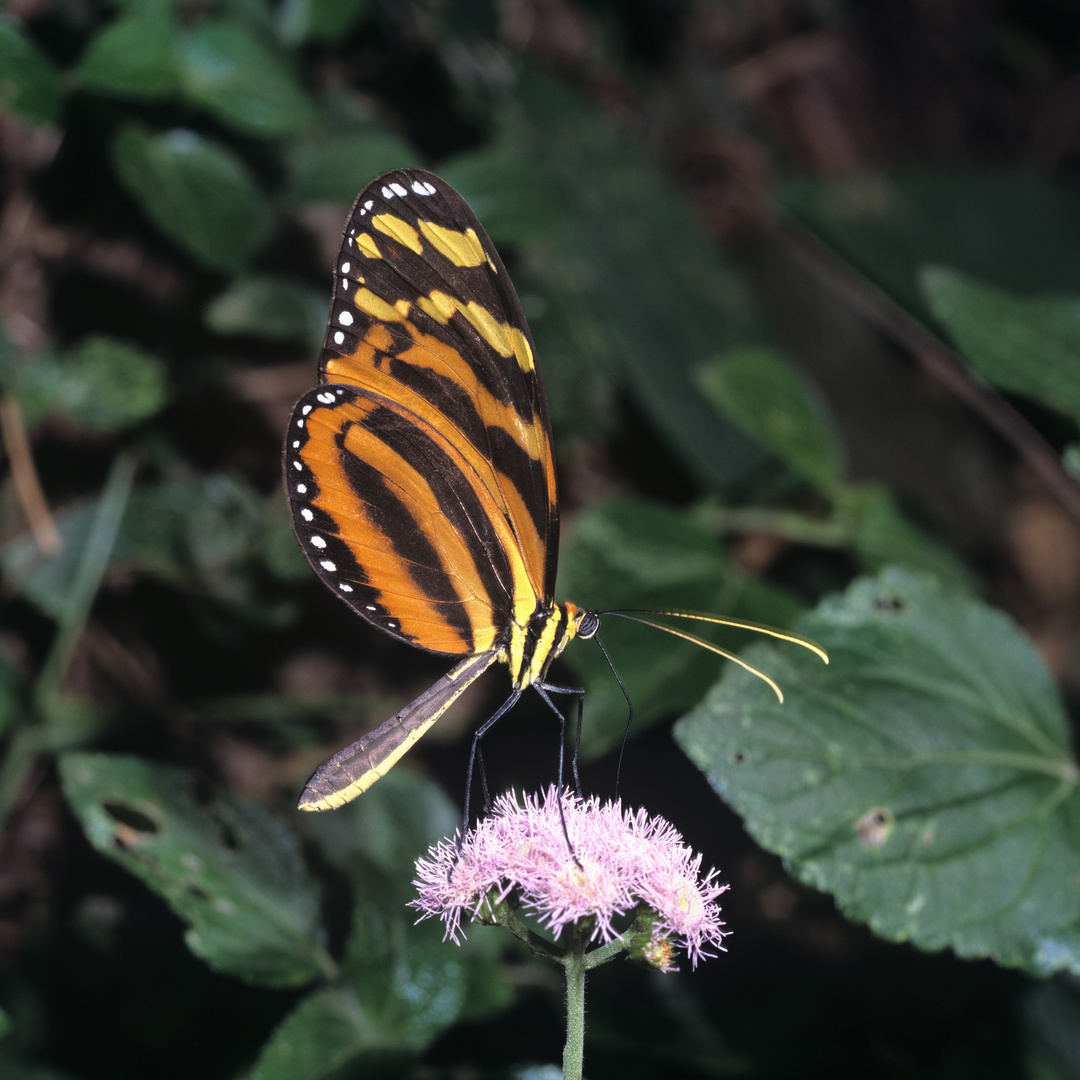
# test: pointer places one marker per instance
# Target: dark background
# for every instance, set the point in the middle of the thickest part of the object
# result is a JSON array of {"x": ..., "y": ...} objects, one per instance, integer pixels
[{"x": 773, "y": 125}]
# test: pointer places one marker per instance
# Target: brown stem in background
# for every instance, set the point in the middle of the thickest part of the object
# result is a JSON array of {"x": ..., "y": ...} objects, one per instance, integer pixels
[
  {"x": 24, "y": 474},
  {"x": 882, "y": 311}
]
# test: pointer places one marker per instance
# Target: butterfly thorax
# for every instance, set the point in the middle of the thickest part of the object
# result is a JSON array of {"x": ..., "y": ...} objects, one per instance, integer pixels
[{"x": 533, "y": 646}]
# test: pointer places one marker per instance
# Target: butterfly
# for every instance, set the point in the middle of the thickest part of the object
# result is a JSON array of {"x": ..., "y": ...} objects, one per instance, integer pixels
[{"x": 419, "y": 472}]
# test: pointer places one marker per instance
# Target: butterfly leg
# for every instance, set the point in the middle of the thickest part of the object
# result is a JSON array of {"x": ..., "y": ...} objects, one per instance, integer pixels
[
  {"x": 579, "y": 693},
  {"x": 474, "y": 752},
  {"x": 543, "y": 689}
]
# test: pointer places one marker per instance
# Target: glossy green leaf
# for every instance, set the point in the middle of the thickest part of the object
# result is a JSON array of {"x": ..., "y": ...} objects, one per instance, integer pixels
[
  {"x": 236, "y": 74},
  {"x": 925, "y": 777},
  {"x": 631, "y": 553},
  {"x": 197, "y": 192},
  {"x": 29, "y": 84},
  {"x": 319, "y": 20},
  {"x": 136, "y": 54},
  {"x": 230, "y": 870},
  {"x": 274, "y": 308},
  {"x": 1027, "y": 345},
  {"x": 333, "y": 168},
  {"x": 765, "y": 396},
  {"x": 102, "y": 385}
]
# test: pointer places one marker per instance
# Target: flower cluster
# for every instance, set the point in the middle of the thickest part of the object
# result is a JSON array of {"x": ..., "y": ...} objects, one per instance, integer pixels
[{"x": 621, "y": 861}]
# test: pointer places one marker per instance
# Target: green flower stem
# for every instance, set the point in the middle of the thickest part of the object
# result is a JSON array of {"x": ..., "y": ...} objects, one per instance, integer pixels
[
  {"x": 604, "y": 953},
  {"x": 503, "y": 914},
  {"x": 575, "y": 965}
]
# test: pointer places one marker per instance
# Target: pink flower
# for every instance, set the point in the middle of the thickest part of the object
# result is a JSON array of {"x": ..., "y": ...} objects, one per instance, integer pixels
[{"x": 625, "y": 862}]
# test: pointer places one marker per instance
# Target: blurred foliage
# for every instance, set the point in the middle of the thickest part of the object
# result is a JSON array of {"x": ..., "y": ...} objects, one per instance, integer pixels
[{"x": 741, "y": 429}]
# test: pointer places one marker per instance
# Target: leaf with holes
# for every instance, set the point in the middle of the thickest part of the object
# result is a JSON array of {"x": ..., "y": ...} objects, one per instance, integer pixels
[
  {"x": 924, "y": 777},
  {"x": 231, "y": 871}
]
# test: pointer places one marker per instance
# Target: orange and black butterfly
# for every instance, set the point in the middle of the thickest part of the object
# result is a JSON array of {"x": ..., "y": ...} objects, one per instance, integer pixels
[{"x": 420, "y": 473}]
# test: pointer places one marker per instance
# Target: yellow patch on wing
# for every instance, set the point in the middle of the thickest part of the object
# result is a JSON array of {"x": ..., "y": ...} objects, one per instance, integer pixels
[
  {"x": 365, "y": 244},
  {"x": 401, "y": 231},
  {"x": 378, "y": 308},
  {"x": 461, "y": 248},
  {"x": 439, "y": 306},
  {"x": 520, "y": 345}
]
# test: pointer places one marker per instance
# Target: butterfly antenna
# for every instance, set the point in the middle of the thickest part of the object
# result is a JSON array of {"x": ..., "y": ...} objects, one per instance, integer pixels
[
  {"x": 629, "y": 706},
  {"x": 718, "y": 621}
]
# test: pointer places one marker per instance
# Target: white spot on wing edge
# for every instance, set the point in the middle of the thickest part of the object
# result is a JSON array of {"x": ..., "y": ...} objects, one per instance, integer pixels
[
  {"x": 397, "y": 189},
  {"x": 339, "y": 338},
  {"x": 297, "y": 466},
  {"x": 306, "y": 409},
  {"x": 302, "y": 488},
  {"x": 326, "y": 564},
  {"x": 423, "y": 187},
  {"x": 318, "y": 541},
  {"x": 345, "y": 267},
  {"x": 307, "y": 515},
  {"x": 345, "y": 318},
  {"x": 326, "y": 399},
  {"x": 343, "y": 587}
]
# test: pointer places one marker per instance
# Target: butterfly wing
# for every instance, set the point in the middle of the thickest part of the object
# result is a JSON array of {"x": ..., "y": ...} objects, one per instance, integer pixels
[
  {"x": 353, "y": 770},
  {"x": 397, "y": 518},
  {"x": 425, "y": 315}
]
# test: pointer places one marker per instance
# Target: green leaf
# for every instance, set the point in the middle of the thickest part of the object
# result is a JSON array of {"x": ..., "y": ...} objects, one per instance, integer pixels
[
  {"x": 136, "y": 54},
  {"x": 191, "y": 533},
  {"x": 29, "y": 84},
  {"x": 333, "y": 168},
  {"x": 925, "y": 777},
  {"x": 197, "y": 192},
  {"x": 102, "y": 385},
  {"x": 405, "y": 983},
  {"x": 319, "y": 20},
  {"x": 1019, "y": 229},
  {"x": 273, "y": 308},
  {"x": 241, "y": 78},
  {"x": 408, "y": 977},
  {"x": 327, "y": 1032},
  {"x": 403, "y": 817},
  {"x": 647, "y": 295},
  {"x": 636, "y": 554},
  {"x": 768, "y": 399},
  {"x": 1029, "y": 346},
  {"x": 11, "y": 703},
  {"x": 882, "y": 535},
  {"x": 229, "y": 870}
]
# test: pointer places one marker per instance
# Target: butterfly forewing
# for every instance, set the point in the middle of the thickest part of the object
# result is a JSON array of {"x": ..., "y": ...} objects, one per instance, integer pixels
[
  {"x": 425, "y": 314},
  {"x": 421, "y": 480}
]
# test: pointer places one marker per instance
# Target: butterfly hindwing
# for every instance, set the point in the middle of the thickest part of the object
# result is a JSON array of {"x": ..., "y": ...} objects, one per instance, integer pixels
[
  {"x": 393, "y": 517},
  {"x": 424, "y": 314}
]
